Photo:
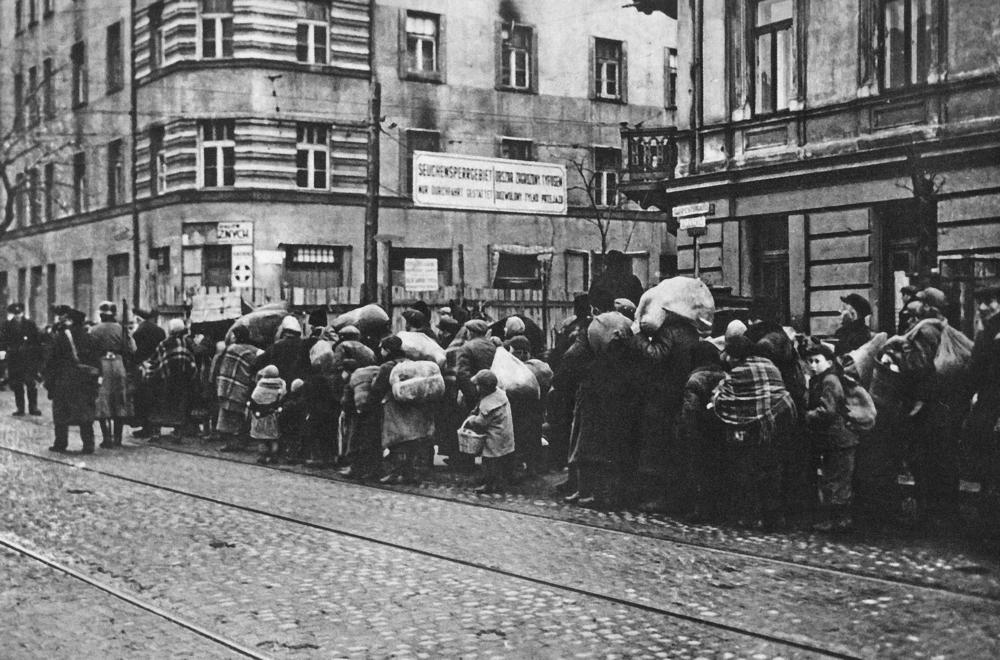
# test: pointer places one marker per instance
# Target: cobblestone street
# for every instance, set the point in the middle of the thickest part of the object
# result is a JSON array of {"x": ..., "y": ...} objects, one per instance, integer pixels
[{"x": 287, "y": 564}]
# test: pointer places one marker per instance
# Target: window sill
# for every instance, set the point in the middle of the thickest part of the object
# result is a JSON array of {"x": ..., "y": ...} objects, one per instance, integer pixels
[
  {"x": 435, "y": 77},
  {"x": 115, "y": 90},
  {"x": 516, "y": 90},
  {"x": 607, "y": 99},
  {"x": 78, "y": 104}
]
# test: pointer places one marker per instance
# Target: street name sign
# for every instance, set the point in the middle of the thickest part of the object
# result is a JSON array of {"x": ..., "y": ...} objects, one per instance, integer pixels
[
  {"x": 701, "y": 208},
  {"x": 693, "y": 222}
]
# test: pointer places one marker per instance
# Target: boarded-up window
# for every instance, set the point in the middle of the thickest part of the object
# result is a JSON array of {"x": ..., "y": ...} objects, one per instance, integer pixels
[
  {"x": 217, "y": 265},
  {"x": 316, "y": 266}
]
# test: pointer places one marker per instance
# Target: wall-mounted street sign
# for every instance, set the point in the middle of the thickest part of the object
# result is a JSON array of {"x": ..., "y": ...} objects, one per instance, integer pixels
[
  {"x": 701, "y": 208},
  {"x": 693, "y": 222},
  {"x": 488, "y": 184},
  {"x": 234, "y": 233}
]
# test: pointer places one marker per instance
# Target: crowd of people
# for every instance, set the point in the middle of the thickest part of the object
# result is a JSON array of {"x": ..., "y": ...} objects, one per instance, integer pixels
[{"x": 755, "y": 426}]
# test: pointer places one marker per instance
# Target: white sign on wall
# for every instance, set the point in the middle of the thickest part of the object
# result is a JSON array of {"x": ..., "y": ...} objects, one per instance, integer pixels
[
  {"x": 242, "y": 261},
  {"x": 234, "y": 233},
  {"x": 488, "y": 184},
  {"x": 420, "y": 274}
]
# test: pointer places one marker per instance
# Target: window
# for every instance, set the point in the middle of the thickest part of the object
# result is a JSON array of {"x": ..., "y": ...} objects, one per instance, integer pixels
[
  {"x": 50, "y": 288},
  {"x": 157, "y": 162},
  {"x": 516, "y": 57},
  {"x": 20, "y": 199},
  {"x": 769, "y": 264},
  {"x": 670, "y": 78},
  {"x": 517, "y": 271},
  {"x": 48, "y": 8},
  {"x": 18, "y": 13},
  {"x": 114, "y": 59},
  {"x": 606, "y": 164},
  {"x": 35, "y": 292},
  {"x": 33, "y": 93},
  {"x": 516, "y": 149},
  {"x": 48, "y": 209},
  {"x": 417, "y": 140},
  {"x": 156, "y": 40},
  {"x": 773, "y": 55},
  {"x": 907, "y": 34},
  {"x": 398, "y": 257},
  {"x": 608, "y": 73},
  {"x": 4, "y": 289},
  {"x": 78, "y": 60},
  {"x": 18, "y": 101},
  {"x": 22, "y": 284},
  {"x": 119, "y": 283},
  {"x": 32, "y": 12},
  {"x": 315, "y": 266},
  {"x": 217, "y": 265},
  {"x": 48, "y": 98},
  {"x": 116, "y": 173},
  {"x": 312, "y": 43},
  {"x": 34, "y": 197},
  {"x": 159, "y": 260},
  {"x": 312, "y": 156},
  {"x": 83, "y": 283},
  {"x": 216, "y": 28},
  {"x": 218, "y": 153},
  {"x": 79, "y": 182},
  {"x": 421, "y": 43}
]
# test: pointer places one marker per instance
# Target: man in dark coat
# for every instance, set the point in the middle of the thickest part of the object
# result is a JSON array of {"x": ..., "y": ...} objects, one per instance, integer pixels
[
  {"x": 853, "y": 331},
  {"x": 985, "y": 377},
  {"x": 475, "y": 355},
  {"x": 20, "y": 338},
  {"x": 701, "y": 434},
  {"x": 617, "y": 281},
  {"x": 287, "y": 353},
  {"x": 147, "y": 336},
  {"x": 71, "y": 388}
]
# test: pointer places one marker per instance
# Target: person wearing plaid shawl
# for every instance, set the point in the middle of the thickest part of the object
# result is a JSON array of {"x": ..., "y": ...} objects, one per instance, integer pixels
[
  {"x": 234, "y": 377},
  {"x": 171, "y": 373},
  {"x": 755, "y": 406}
]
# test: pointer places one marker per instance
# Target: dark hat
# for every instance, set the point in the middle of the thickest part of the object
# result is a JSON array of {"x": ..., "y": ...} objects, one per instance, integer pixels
[
  {"x": 987, "y": 293},
  {"x": 76, "y": 316},
  {"x": 62, "y": 310},
  {"x": 107, "y": 307},
  {"x": 415, "y": 317},
  {"x": 317, "y": 318},
  {"x": 859, "y": 303},
  {"x": 909, "y": 290},
  {"x": 15, "y": 308},
  {"x": 486, "y": 379},
  {"x": 933, "y": 297},
  {"x": 519, "y": 342},
  {"x": 819, "y": 348},
  {"x": 449, "y": 324},
  {"x": 241, "y": 334},
  {"x": 422, "y": 307},
  {"x": 477, "y": 327},
  {"x": 391, "y": 344},
  {"x": 615, "y": 257}
]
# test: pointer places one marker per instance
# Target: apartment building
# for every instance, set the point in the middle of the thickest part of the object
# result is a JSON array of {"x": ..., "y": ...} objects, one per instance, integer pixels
[
  {"x": 244, "y": 164},
  {"x": 837, "y": 146}
]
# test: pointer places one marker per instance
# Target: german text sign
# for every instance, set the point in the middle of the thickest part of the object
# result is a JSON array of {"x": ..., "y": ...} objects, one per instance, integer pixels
[
  {"x": 420, "y": 274},
  {"x": 488, "y": 184}
]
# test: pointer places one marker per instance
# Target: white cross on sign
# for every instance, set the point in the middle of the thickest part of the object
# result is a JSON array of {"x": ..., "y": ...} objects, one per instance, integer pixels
[{"x": 242, "y": 260}]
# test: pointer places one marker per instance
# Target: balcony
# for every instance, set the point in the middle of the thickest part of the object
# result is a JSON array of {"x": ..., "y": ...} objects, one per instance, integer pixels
[{"x": 651, "y": 153}]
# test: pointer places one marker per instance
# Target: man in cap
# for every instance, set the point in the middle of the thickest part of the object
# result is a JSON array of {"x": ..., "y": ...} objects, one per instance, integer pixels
[
  {"x": 147, "y": 336},
  {"x": 617, "y": 281},
  {"x": 985, "y": 377},
  {"x": 20, "y": 339},
  {"x": 853, "y": 331},
  {"x": 474, "y": 355},
  {"x": 906, "y": 320}
]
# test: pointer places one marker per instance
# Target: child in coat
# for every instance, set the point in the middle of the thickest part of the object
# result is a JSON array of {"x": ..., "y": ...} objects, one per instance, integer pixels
[
  {"x": 265, "y": 406},
  {"x": 492, "y": 417}
]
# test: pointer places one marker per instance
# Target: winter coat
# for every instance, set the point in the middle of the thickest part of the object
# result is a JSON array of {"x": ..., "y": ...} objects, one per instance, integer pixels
[
  {"x": 234, "y": 376},
  {"x": 473, "y": 356},
  {"x": 147, "y": 337},
  {"x": 825, "y": 414},
  {"x": 289, "y": 355},
  {"x": 401, "y": 422},
  {"x": 494, "y": 419},
  {"x": 851, "y": 336},
  {"x": 72, "y": 395},
  {"x": 985, "y": 382},
  {"x": 23, "y": 343},
  {"x": 699, "y": 426}
]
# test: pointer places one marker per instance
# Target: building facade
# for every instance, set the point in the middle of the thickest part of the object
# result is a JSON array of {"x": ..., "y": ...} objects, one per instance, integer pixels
[
  {"x": 244, "y": 163},
  {"x": 839, "y": 146}
]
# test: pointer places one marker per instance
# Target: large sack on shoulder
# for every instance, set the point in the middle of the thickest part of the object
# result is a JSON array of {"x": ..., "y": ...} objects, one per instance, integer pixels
[
  {"x": 860, "y": 410},
  {"x": 954, "y": 355},
  {"x": 262, "y": 323},
  {"x": 860, "y": 363},
  {"x": 417, "y": 381},
  {"x": 685, "y": 297},
  {"x": 351, "y": 354},
  {"x": 418, "y": 346},
  {"x": 367, "y": 319},
  {"x": 321, "y": 356},
  {"x": 605, "y": 328},
  {"x": 542, "y": 372},
  {"x": 361, "y": 384},
  {"x": 513, "y": 376}
]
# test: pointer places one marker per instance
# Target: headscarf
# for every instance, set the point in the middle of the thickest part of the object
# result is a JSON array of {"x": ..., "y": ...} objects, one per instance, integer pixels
[
  {"x": 289, "y": 324},
  {"x": 513, "y": 327},
  {"x": 176, "y": 327}
]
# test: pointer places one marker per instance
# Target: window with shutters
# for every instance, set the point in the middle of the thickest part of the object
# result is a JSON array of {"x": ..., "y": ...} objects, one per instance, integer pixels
[
  {"x": 48, "y": 98},
  {"x": 217, "y": 265},
  {"x": 218, "y": 153},
  {"x": 114, "y": 59},
  {"x": 421, "y": 43},
  {"x": 34, "y": 92},
  {"x": 157, "y": 162},
  {"x": 772, "y": 55},
  {"x": 313, "y": 38},
  {"x": 156, "y": 36},
  {"x": 607, "y": 161},
  {"x": 216, "y": 29},
  {"x": 312, "y": 157},
  {"x": 907, "y": 33},
  {"x": 416, "y": 140},
  {"x": 79, "y": 182},
  {"x": 315, "y": 266},
  {"x": 78, "y": 62},
  {"x": 517, "y": 149},
  {"x": 608, "y": 69},
  {"x": 116, "y": 173},
  {"x": 517, "y": 45}
]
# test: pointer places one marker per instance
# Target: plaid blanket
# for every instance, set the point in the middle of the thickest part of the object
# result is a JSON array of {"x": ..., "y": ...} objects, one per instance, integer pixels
[
  {"x": 753, "y": 394},
  {"x": 235, "y": 375},
  {"x": 173, "y": 359}
]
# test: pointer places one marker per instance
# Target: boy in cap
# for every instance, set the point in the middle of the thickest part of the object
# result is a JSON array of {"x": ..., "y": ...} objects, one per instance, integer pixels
[
  {"x": 493, "y": 418},
  {"x": 853, "y": 331},
  {"x": 21, "y": 341}
]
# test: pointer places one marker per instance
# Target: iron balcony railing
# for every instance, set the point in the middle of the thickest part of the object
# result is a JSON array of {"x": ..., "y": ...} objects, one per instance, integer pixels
[{"x": 651, "y": 153}]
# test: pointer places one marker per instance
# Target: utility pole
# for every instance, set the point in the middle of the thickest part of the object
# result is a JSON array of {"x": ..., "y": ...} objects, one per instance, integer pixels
[
  {"x": 134, "y": 130},
  {"x": 370, "y": 287}
]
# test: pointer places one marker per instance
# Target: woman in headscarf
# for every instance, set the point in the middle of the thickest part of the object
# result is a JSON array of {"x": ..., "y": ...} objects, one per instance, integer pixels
[
  {"x": 172, "y": 373},
  {"x": 114, "y": 401},
  {"x": 71, "y": 386},
  {"x": 407, "y": 428},
  {"x": 234, "y": 380}
]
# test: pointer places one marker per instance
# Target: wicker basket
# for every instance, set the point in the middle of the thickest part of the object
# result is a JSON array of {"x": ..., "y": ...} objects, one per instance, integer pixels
[{"x": 470, "y": 442}]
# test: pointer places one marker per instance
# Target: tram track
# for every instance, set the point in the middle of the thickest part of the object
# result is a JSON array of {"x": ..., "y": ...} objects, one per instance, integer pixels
[
  {"x": 610, "y": 528},
  {"x": 666, "y": 612},
  {"x": 131, "y": 600}
]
